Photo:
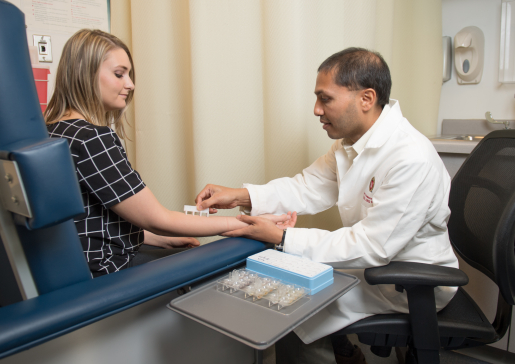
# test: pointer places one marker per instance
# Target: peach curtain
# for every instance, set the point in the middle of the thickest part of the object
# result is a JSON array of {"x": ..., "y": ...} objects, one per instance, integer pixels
[{"x": 224, "y": 88}]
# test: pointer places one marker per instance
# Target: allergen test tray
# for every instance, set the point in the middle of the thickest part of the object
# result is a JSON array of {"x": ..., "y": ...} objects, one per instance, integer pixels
[
  {"x": 249, "y": 323},
  {"x": 264, "y": 290}
]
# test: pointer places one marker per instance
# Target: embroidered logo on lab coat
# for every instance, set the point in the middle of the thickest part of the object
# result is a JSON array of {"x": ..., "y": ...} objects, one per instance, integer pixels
[{"x": 372, "y": 184}]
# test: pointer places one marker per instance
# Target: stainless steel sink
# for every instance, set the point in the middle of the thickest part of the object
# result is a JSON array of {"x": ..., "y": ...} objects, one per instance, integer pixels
[
  {"x": 472, "y": 138},
  {"x": 468, "y": 138}
]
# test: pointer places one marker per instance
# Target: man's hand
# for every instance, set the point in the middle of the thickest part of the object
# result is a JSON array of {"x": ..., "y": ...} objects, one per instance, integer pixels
[
  {"x": 260, "y": 228},
  {"x": 168, "y": 242},
  {"x": 219, "y": 197},
  {"x": 289, "y": 223},
  {"x": 283, "y": 221}
]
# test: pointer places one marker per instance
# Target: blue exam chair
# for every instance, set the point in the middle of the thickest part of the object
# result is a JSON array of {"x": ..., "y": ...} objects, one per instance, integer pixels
[{"x": 67, "y": 297}]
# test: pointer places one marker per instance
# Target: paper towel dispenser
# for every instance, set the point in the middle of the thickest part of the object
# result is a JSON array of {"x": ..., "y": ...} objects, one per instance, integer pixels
[{"x": 447, "y": 58}]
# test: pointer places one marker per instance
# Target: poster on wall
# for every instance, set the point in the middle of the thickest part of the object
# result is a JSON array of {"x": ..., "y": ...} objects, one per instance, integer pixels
[{"x": 66, "y": 16}]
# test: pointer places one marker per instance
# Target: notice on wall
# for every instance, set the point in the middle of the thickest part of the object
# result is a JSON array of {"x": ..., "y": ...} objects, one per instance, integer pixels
[{"x": 66, "y": 16}]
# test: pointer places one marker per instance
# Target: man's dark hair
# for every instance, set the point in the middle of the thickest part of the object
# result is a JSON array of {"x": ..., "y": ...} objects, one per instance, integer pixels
[{"x": 358, "y": 69}]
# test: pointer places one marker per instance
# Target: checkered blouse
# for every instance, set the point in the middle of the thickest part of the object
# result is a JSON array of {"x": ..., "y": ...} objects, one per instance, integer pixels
[{"x": 106, "y": 178}]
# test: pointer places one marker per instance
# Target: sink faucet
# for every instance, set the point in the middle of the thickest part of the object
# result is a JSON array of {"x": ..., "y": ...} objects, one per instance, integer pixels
[{"x": 488, "y": 116}]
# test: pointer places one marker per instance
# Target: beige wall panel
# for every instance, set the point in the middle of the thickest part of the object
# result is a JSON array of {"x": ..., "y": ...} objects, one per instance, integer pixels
[
  {"x": 283, "y": 73},
  {"x": 324, "y": 35},
  {"x": 121, "y": 27},
  {"x": 227, "y": 62},
  {"x": 383, "y": 38},
  {"x": 160, "y": 35},
  {"x": 417, "y": 61},
  {"x": 121, "y": 21}
]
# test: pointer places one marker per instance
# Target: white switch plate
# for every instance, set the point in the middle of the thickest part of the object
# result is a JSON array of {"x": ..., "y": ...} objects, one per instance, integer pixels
[{"x": 44, "y": 45}]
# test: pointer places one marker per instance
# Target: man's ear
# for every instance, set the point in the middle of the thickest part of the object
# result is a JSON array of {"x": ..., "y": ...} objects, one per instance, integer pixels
[{"x": 368, "y": 98}]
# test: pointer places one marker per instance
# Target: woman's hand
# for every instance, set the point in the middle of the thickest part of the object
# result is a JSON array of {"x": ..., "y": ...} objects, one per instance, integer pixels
[{"x": 168, "y": 242}]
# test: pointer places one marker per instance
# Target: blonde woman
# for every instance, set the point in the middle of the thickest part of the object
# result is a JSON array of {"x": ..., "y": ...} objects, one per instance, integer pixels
[{"x": 94, "y": 85}]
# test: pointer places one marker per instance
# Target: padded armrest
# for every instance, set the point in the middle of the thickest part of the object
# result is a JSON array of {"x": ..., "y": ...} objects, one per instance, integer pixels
[
  {"x": 50, "y": 180},
  {"x": 408, "y": 273},
  {"x": 34, "y": 321}
]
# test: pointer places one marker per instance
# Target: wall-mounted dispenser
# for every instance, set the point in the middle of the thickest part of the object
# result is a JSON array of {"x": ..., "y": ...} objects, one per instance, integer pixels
[{"x": 469, "y": 55}]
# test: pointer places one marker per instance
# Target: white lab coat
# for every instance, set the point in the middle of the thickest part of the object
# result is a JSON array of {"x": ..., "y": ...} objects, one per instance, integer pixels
[{"x": 401, "y": 216}]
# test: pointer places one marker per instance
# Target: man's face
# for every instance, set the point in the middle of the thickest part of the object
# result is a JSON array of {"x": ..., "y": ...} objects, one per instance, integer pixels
[{"x": 337, "y": 107}]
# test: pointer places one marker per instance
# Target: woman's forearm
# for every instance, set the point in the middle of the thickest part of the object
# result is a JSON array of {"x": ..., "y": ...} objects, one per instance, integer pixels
[
  {"x": 179, "y": 224},
  {"x": 144, "y": 211}
]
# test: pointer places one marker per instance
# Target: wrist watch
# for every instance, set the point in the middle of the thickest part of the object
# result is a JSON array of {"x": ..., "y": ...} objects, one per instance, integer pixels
[{"x": 280, "y": 246}]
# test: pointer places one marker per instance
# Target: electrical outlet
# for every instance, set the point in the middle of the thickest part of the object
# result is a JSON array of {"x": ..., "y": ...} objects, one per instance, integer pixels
[{"x": 44, "y": 45}]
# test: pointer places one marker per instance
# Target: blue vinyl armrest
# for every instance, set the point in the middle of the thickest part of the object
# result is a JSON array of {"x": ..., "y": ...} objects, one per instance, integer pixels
[
  {"x": 32, "y": 322},
  {"x": 50, "y": 181}
]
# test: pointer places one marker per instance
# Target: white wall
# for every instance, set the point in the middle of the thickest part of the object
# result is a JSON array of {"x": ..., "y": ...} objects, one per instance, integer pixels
[{"x": 472, "y": 101}]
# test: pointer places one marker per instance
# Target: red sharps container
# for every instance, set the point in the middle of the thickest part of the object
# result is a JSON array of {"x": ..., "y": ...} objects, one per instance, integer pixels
[{"x": 41, "y": 73}]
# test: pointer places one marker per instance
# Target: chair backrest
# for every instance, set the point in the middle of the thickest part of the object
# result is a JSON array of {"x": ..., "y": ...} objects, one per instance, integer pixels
[
  {"x": 482, "y": 203},
  {"x": 49, "y": 238}
]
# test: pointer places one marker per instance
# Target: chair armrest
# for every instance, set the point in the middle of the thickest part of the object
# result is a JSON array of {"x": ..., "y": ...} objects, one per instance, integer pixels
[
  {"x": 419, "y": 280},
  {"x": 37, "y": 320},
  {"x": 410, "y": 274},
  {"x": 50, "y": 182}
]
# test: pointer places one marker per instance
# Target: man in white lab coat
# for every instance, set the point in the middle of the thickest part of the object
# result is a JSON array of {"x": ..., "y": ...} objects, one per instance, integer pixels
[{"x": 390, "y": 186}]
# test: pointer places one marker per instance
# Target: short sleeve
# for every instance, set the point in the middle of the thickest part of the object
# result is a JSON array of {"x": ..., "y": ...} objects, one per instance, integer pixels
[{"x": 104, "y": 170}]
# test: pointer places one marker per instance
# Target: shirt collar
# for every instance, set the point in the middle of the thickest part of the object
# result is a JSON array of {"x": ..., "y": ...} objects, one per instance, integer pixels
[{"x": 362, "y": 142}]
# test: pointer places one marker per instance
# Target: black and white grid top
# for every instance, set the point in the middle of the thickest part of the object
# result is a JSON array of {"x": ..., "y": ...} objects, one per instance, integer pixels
[{"x": 106, "y": 178}]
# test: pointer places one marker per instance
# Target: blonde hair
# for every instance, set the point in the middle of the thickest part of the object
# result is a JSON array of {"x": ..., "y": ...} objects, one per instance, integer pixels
[{"x": 77, "y": 80}]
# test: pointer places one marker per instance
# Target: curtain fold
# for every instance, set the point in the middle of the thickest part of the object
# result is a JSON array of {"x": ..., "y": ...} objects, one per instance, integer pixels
[{"x": 224, "y": 88}]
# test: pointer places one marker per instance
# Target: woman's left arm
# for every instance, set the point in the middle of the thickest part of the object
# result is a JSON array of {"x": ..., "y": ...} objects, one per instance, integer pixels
[
  {"x": 169, "y": 242},
  {"x": 143, "y": 210}
]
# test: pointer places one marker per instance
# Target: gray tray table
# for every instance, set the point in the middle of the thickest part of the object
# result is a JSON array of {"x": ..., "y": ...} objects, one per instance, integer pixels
[{"x": 256, "y": 326}]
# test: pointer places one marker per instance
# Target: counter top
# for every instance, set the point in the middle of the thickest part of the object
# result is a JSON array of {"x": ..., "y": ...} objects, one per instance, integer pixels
[
  {"x": 446, "y": 144},
  {"x": 460, "y": 136}
]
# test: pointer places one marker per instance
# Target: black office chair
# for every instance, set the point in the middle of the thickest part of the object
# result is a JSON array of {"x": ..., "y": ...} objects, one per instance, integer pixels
[{"x": 482, "y": 232}]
